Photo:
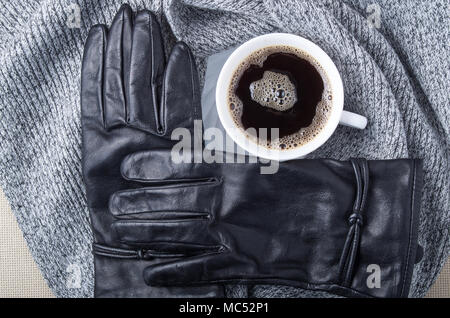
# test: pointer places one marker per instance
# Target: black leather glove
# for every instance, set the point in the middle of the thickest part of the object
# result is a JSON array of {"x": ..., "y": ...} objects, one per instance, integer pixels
[
  {"x": 349, "y": 228},
  {"x": 131, "y": 100}
]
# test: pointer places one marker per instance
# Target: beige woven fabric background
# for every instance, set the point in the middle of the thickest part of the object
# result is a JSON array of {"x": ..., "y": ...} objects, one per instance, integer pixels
[
  {"x": 441, "y": 288},
  {"x": 20, "y": 277}
]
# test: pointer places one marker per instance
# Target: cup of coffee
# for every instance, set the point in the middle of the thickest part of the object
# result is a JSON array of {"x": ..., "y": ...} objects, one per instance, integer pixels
[{"x": 279, "y": 96}]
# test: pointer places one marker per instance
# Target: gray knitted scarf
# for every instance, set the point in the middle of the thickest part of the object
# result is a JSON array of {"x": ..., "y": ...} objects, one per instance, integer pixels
[{"x": 392, "y": 56}]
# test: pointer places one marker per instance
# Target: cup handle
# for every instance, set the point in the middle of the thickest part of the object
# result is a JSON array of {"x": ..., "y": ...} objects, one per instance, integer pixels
[{"x": 353, "y": 120}]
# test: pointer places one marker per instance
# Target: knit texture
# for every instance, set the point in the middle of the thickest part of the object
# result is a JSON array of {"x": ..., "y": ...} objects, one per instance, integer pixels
[{"x": 395, "y": 73}]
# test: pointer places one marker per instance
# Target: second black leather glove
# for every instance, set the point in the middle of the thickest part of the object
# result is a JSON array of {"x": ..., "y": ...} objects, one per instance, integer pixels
[{"x": 346, "y": 227}]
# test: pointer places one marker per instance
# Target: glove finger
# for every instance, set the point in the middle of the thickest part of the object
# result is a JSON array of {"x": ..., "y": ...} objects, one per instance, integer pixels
[
  {"x": 185, "y": 271},
  {"x": 117, "y": 55},
  {"x": 181, "y": 96},
  {"x": 148, "y": 203},
  {"x": 92, "y": 76},
  {"x": 159, "y": 165},
  {"x": 146, "y": 73},
  {"x": 178, "y": 235},
  {"x": 164, "y": 165}
]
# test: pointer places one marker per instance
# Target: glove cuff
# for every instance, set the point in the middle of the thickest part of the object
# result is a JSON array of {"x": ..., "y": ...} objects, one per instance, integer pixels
[{"x": 119, "y": 273}]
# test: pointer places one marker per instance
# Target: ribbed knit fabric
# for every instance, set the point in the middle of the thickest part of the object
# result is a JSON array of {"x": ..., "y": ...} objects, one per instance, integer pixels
[{"x": 396, "y": 75}]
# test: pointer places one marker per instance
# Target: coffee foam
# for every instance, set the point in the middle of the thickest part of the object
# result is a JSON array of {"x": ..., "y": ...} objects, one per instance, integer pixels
[
  {"x": 274, "y": 90},
  {"x": 304, "y": 135}
]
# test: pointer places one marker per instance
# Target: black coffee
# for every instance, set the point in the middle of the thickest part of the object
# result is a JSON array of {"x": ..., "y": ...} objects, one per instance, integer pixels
[{"x": 280, "y": 87}]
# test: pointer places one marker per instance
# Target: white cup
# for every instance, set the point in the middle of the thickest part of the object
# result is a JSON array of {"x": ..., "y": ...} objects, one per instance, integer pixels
[{"x": 337, "y": 116}]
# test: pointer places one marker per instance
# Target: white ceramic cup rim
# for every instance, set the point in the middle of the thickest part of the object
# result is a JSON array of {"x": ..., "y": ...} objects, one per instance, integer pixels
[{"x": 258, "y": 43}]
